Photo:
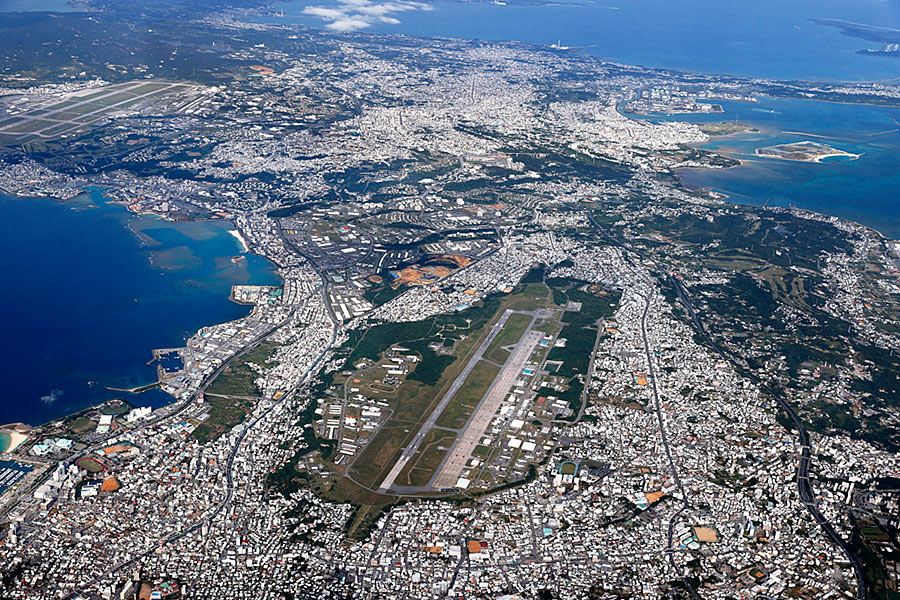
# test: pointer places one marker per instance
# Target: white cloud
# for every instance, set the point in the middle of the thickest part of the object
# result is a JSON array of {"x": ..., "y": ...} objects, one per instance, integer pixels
[
  {"x": 348, "y": 24},
  {"x": 51, "y": 397},
  {"x": 331, "y": 14},
  {"x": 353, "y": 15},
  {"x": 376, "y": 9}
]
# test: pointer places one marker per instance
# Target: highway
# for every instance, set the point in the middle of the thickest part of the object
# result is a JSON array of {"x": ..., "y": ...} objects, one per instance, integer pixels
[
  {"x": 807, "y": 495},
  {"x": 651, "y": 370},
  {"x": 229, "y": 467},
  {"x": 228, "y": 475},
  {"x": 167, "y": 412}
]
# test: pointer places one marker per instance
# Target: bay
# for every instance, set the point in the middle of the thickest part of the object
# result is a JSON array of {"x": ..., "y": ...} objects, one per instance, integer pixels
[
  {"x": 766, "y": 38},
  {"x": 864, "y": 190},
  {"x": 88, "y": 290}
]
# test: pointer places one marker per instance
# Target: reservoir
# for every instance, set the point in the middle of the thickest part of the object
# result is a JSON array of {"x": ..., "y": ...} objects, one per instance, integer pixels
[{"x": 88, "y": 290}]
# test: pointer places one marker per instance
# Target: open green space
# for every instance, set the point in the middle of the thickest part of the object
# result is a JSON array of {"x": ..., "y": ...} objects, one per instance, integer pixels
[
  {"x": 81, "y": 424},
  {"x": 511, "y": 333},
  {"x": 90, "y": 465},
  {"x": 481, "y": 450},
  {"x": 239, "y": 377},
  {"x": 580, "y": 330},
  {"x": 469, "y": 395},
  {"x": 499, "y": 356},
  {"x": 531, "y": 297},
  {"x": 736, "y": 259},
  {"x": 428, "y": 457},
  {"x": 224, "y": 413},
  {"x": 432, "y": 376},
  {"x": 230, "y": 395}
]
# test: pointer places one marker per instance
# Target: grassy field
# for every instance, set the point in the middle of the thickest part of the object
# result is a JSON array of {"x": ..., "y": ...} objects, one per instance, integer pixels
[
  {"x": 532, "y": 297},
  {"x": 226, "y": 409},
  {"x": 238, "y": 379},
  {"x": 469, "y": 395},
  {"x": 786, "y": 286},
  {"x": 81, "y": 424},
  {"x": 580, "y": 331},
  {"x": 427, "y": 458},
  {"x": 224, "y": 413},
  {"x": 736, "y": 259},
  {"x": 424, "y": 386},
  {"x": 511, "y": 333},
  {"x": 90, "y": 465}
]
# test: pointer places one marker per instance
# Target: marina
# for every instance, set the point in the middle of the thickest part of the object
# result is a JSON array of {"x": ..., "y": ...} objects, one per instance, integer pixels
[{"x": 11, "y": 472}]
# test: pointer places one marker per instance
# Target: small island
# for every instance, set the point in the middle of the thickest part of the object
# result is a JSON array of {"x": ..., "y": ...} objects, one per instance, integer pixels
[
  {"x": 727, "y": 128},
  {"x": 805, "y": 152}
]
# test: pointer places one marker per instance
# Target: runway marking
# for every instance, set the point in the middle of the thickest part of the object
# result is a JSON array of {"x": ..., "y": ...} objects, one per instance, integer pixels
[
  {"x": 484, "y": 414},
  {"x": 413, "y": 446}
]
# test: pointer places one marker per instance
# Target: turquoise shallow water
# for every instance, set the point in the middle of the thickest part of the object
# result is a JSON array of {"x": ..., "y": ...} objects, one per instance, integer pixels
[
  {"x": 765, "y": 38},
  {"x": 86, "y": 299}
]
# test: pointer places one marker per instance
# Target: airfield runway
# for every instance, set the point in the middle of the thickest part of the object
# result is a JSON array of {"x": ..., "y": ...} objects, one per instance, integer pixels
[{"x": 481, "y": 419}]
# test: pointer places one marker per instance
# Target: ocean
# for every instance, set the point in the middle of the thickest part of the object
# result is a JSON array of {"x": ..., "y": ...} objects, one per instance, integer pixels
[
  {"x": 35, "y": 6},
  {"x": 89, "y": 290},
  {"x": 763, "y": 38},
  {"x": 862, "y": 190}
]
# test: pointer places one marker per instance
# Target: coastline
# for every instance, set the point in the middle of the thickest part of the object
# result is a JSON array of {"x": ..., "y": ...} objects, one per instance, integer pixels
[
  {"x": 749, "y": 158},
  {"x": 244, "y": 248},
  {"x": 818, "y": 159},
  {"x": 727, "y": 197},
  {"x": 17, "y": 438},
  {"x": 10, "y": 440}
]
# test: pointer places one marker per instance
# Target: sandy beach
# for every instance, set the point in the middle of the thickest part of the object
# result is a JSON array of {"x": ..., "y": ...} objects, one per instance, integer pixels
[
  {"x": 16, "y": 439},
  {"x": 237, "y": 235}
]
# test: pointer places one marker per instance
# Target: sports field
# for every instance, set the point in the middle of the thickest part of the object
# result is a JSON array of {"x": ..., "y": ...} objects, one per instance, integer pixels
[{"x": 89, "y": 464}]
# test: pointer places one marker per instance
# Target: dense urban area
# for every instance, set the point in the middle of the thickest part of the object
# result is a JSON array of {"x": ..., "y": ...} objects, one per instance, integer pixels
[{"x": 511, "y": 355}]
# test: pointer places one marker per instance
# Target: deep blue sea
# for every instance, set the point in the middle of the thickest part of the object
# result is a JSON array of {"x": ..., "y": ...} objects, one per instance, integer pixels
[
  {"x": 88, "y": 290},
  {"x": 758, "y": 38},
  {"x": 763, "y": 38},
  {"x": 34, "y": 5}
]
